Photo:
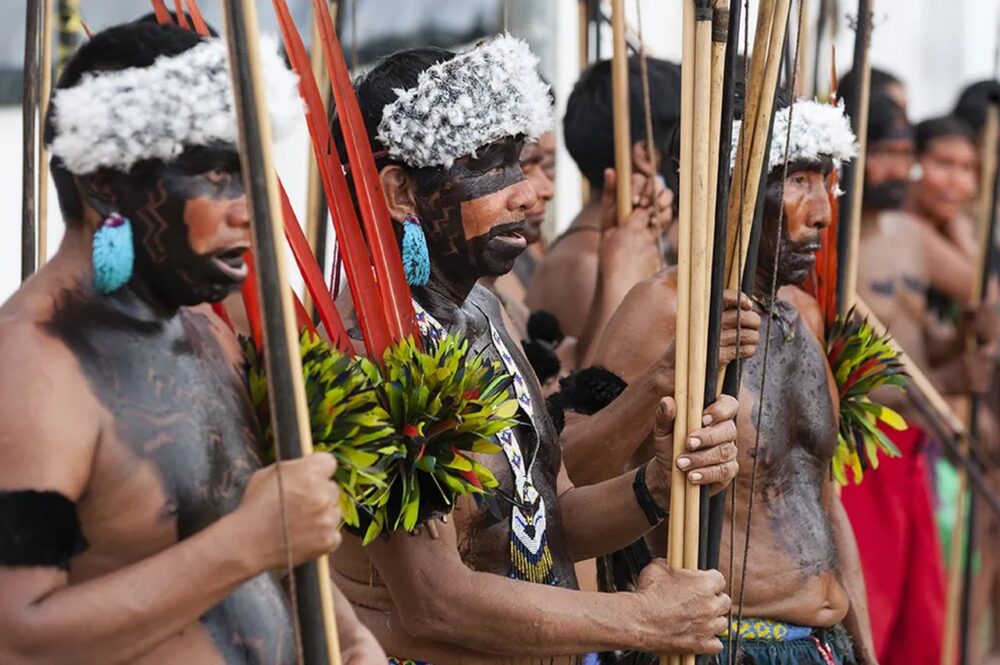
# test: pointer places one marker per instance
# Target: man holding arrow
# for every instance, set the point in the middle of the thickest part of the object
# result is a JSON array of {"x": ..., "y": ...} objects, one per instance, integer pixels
[
  {"x": 800, "y": 591},
  {"x": 135, "y": 523},
  {"x": 495, "y": 581}
]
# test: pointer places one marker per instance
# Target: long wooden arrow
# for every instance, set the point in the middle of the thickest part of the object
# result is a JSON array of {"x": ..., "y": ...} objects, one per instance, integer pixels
[{"x": 312, "y": 588}]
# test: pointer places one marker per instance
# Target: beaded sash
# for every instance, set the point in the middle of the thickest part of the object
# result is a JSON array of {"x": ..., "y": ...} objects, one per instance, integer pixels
[{"x": 530, "y": 557}]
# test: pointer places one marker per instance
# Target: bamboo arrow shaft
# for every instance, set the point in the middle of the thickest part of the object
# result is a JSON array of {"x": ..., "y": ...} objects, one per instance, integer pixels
[
  {"x": 286, "y": 389},
  {"x": 29, "y": 112},
  {"x": 620, "y": 108}
]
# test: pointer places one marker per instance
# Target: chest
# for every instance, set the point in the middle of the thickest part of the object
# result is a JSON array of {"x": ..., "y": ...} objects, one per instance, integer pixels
[
  {"x": 790, "y": 401},
  {"x": 181, "y": 422}
]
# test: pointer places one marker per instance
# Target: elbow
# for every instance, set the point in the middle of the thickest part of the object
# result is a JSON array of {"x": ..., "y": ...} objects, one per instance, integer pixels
[
  {"x": 431, "y": 616},
  {"x": 21, "y": 647}
]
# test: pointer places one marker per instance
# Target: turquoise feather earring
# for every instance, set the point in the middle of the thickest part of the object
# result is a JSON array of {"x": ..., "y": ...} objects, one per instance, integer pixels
[
  {"x": 416, "y": 261},
  {"x": 112, "y": 254}
]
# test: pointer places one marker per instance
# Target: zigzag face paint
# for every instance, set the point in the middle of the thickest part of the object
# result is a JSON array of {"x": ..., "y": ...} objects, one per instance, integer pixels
[{"x": 191, "y": 225}]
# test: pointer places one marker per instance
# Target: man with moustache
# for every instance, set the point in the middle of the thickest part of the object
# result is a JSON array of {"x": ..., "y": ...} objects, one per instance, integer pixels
[
  {"x": 804, "y": 596},
  {"x": 495, "y": 582},
  {"x": 135, "y": 523}
]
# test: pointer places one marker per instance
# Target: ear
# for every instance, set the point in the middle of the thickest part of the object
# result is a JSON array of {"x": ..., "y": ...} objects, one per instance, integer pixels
[
  {"x": 642, "y": 161},
  {"x": 400, "y": 192},
  {"x": 98, "y": 192}
]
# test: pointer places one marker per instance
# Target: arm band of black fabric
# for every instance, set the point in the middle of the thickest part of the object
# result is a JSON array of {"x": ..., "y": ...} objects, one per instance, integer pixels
[
  {"x": 39, "y": 528},
  {"x": 653, "y": 512}
]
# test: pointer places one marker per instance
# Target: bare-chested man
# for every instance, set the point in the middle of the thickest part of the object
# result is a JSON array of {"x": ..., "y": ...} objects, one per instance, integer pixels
[
  {"x": 495, "y": 581},
  {"x": 135, "y": 524},
  {"x": 804, "y": 592},
  {"x": 568, "y": 281}
]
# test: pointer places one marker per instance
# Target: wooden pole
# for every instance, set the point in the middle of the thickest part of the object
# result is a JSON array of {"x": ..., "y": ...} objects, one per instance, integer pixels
[
  {"x": 29, "y": 113},
  {"x": 315, "y": 205},
  {"x": 678, "y": 529},
  {"x": 751, "y": 160},
  {"x": 43, "y": 160},
  {"x": 700, "y": 249},
  {"x": 620, "y": 106},
  {"x": 727, "y": 29},
  {"x": 286, "y": 389},
  {"x": 850, "y": 210}
]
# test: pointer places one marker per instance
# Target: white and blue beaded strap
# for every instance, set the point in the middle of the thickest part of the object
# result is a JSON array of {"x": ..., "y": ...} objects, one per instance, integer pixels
[{"x": 530, "y": 557}]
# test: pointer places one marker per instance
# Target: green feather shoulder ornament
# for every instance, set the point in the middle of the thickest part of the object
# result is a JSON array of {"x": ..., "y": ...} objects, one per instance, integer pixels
[
  {"x": 404, "y": 432},
  {"x": 861, "y": 361}
]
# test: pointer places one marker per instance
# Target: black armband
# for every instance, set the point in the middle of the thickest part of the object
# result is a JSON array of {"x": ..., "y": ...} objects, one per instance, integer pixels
[
  {"x": 557, "y": 412},
  {"x": 652, "y": 510},
  {"x": 590, "y": 390},
  {"x": 39, "y": 528}
]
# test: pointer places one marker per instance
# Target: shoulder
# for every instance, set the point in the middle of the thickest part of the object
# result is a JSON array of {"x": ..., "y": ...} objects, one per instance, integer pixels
[
  {"x": 212, "y": 326},
  {"x": 808, "y": 308},
  {"x": 642, "y": 329},
  {"x": 49, "y": 420}
]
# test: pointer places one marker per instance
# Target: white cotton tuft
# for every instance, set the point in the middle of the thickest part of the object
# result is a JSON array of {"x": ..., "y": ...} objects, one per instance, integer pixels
[
  {"x": 818, "y": 130},
  {"x": 115, "y": 119},
  {"x": 460, "y": 105}
]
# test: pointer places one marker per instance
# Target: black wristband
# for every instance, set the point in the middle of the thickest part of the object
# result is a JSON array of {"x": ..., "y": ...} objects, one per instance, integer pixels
[{"x": 653, "y": 512}]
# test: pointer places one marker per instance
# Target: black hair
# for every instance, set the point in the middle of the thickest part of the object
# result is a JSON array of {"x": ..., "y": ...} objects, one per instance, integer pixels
[
  {"x": 880, "y": 80},
  {"x": 376, "y": 89},
  {"x": 135, "y": 44},
  {"x": 972, "y": 103},
  {"x": 886, "y": 119},
  {"x": 946, "y": 126},
  {"x": 671, "y": 170},
  {"x": 588, "y": 126}
]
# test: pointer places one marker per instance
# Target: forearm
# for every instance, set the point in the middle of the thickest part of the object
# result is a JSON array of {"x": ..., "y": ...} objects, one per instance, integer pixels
[
  {"x": 561, "y": 621},
  {"x": 852, "y": 576},
  {"x": 607, "y": 297},
  {"x": 598, "y": 447},
  {"x": 120, "y": 616},
  {"x": 601, "y": 519},
  {"x": 357, "y": 644}
]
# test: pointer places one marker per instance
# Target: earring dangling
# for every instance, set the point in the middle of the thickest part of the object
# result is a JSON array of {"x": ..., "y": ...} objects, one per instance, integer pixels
[
  {"x": 112, "y": 254},
  {"x": 416, "y": 261}
]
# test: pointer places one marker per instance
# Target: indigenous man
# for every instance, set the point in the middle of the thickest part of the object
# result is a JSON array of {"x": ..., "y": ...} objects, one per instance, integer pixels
[
  {"x": 567, "y": 283},
  {"x": 497, "y": 583},
  {"x": 135, "y": 523},
  {"x": 804, "y": 596}
]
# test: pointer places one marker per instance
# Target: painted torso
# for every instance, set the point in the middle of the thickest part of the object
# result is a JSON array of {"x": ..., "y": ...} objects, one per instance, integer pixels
[
  {"x": 483, "y": 534},
  {"x": 175, "y": 457},
  {"x": 791, "y": 571}
]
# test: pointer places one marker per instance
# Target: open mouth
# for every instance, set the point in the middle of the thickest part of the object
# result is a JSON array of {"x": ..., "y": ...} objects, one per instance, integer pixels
[
  {"x": 231, "y": 263},
  {"x": 511, "y": 235}
]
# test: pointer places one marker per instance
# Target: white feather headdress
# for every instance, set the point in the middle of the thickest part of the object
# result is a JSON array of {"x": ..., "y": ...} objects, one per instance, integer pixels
[
  {"x": 818, "y": 130},
  {"x": 115, "y": 119},
  {"x": 490, "y": 92}
]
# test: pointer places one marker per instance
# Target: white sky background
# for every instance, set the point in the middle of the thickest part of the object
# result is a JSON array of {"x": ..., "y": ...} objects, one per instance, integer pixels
[{"x": 935, "y": 46}]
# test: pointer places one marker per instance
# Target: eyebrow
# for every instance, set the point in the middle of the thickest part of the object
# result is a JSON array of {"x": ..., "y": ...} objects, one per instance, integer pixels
[{"x": 202, "y": 158}]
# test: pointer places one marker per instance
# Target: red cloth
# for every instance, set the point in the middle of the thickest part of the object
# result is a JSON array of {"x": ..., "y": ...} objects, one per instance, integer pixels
[{"x": 893, "y": 518}]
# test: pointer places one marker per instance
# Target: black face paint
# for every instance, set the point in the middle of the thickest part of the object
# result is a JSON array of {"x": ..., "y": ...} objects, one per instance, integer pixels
[
  {"x": 441, "y": 195},
  {"x": 154, "y": 196},
  {"x": 888, "y": 195}
]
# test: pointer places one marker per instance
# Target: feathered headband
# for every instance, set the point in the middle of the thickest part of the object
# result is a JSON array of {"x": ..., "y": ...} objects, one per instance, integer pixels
[
  {"x": 488, "y": 93},
  {"x": 818, "y": 130},
  {"x": 115, "y": 119}
]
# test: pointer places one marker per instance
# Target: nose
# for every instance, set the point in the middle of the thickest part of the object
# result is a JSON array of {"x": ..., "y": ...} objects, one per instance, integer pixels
[
  {"x": 544, "y": 188},
  {"x": 522, "y": 197},
  {"x": 238, "y": 214},
  {"x": 820, "y": 212}
]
